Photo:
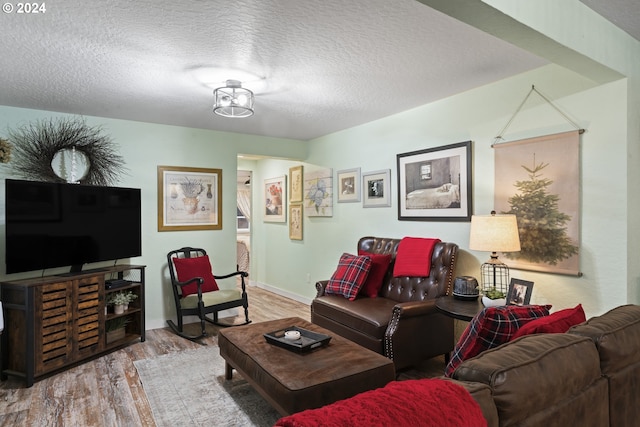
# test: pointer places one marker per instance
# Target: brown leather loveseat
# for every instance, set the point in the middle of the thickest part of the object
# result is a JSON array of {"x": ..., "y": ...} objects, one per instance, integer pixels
[{"x": 402, "y": 322}]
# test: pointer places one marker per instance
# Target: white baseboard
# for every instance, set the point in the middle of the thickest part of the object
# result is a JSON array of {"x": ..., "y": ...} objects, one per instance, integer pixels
[{"x": 286, "y": 294}]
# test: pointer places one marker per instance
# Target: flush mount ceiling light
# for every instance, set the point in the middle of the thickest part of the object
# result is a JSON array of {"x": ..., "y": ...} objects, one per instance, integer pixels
[{"x": 233, "y": 100}]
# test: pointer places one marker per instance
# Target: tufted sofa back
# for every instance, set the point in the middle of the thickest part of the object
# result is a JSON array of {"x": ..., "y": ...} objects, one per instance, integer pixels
[{"x": 405, "y": 289}]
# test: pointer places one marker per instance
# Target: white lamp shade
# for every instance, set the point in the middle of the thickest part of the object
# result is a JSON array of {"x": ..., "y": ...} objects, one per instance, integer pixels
[{"x": 494, "y": 233}]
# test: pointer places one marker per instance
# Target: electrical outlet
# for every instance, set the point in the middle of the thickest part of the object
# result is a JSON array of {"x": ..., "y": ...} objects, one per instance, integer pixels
[{"x": 308, "y": 277}]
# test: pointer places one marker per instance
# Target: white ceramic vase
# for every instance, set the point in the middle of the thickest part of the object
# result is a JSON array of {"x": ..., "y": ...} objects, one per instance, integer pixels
[
  {"x": 488, "y": 302},
  {"x": 118, "y": 309}
]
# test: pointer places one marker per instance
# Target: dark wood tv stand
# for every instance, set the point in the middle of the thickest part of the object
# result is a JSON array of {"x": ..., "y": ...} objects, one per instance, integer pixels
[{"x": 55, "y": 322}]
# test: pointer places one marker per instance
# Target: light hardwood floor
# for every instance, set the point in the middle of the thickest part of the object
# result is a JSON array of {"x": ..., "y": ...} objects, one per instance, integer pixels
[{"x": 107, "y": 391}]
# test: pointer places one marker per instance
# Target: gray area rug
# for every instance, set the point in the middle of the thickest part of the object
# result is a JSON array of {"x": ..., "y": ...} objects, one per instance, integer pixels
[{"x": 188, "y": 388}]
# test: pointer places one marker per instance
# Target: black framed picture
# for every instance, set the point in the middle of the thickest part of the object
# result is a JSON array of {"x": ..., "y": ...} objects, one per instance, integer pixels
[
  {"x": 519, "y": 292},
  {"x": 435, "y": 184}
]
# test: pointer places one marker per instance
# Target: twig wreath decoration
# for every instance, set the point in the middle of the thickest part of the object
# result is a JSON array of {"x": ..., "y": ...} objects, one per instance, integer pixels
[
  {"x": 5, "y": 151},
  {"x": 35, "y": 145}
]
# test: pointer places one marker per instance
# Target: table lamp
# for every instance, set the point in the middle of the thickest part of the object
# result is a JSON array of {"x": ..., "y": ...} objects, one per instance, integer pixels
[{"x": 494, "y": 233}]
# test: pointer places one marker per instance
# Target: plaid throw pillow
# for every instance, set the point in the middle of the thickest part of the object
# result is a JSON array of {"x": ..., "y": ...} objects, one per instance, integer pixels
[
  {"x": 350, "y": 275},
  {"x": 492, "y": 327}
]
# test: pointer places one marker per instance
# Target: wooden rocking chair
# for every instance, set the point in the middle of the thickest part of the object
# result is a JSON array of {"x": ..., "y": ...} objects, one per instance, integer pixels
[{"x": 196, "y": 292}]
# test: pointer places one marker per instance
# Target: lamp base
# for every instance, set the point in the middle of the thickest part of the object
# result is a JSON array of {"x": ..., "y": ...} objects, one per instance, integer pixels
[{"x": 495, "y": 275}]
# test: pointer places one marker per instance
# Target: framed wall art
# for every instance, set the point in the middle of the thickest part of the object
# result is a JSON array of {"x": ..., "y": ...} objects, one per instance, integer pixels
[
  {"x": 189, "y": 198},
  {"x": 318, "y": 192},
  {"x": 275, "y": 199},
  {"x": 519, "y": 292},
  {"x": 296, "y": 184},
  {"x": 435, "y": 184},
  {"x": 295, "y": 221},
  {"x": 348, "y": 185},
  {"x": 377, "y": 189}
]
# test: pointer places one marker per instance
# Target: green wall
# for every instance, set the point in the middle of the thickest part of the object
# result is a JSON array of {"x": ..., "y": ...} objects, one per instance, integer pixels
[
  {"x": 610, "y": 151},
  {"x": 476, "y": 115},
  {"x": 144, "y": 147}
]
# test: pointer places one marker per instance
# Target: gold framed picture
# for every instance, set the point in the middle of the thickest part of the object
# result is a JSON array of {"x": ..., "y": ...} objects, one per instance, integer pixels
[
  {"x": 189, "y": 198},
  {"x": 295, "y": 184},
  {"x": 295, "y": 221}
]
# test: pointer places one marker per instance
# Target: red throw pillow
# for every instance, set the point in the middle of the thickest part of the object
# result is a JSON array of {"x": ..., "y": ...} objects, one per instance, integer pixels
[
  {"x": 558, "y": 322},
  {"x": 379, "y": 265},
  {"x": 413, "y": 258},
  {"x": 350, "y": 276},
  {"x": 492, "y": 327},
  {"x": 188, "y": 268}
]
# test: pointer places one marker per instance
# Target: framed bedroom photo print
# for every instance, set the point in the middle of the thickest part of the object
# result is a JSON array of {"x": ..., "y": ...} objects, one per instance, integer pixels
[
  {"x": 435, "y": 184},
  {"x": 189, "y": 198},
  {"x": 377, "y": 189},
  {"x": 349, "y": 185},
  {"x": 275, "y": 199}
]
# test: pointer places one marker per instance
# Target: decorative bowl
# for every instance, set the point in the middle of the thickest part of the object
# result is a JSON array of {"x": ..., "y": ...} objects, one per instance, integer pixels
[{"x": 488, "y": 302}]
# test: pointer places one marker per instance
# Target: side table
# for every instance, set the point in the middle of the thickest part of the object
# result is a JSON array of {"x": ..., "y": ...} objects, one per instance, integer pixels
[
  {"x": 462, "y": 311},
  {"x": 459, "y": 309}
]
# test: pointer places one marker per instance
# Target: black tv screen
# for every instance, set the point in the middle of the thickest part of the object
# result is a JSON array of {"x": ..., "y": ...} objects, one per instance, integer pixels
[{"x": 57, "y": 225}]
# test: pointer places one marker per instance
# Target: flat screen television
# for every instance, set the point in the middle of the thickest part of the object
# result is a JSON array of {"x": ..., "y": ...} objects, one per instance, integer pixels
[{"x": 57, "y": 225}]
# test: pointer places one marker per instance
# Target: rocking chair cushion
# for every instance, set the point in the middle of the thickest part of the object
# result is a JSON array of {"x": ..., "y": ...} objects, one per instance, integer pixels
[
  {"x": 188, "y": 268},
  {"x": 211, "y": 298}
]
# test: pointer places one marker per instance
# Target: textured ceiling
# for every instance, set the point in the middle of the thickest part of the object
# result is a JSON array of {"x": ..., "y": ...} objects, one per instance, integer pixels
[
  {"x": 316, "y": 67},
  {"x": 623, "y": 13}
]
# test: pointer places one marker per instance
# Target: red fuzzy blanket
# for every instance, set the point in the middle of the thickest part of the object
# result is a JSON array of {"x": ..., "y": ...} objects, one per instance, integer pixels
[{"x": 411, "y": 403}]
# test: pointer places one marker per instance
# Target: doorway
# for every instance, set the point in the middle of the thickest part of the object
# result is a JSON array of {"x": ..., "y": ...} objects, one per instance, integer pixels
[{"x": 243, "y": 220}]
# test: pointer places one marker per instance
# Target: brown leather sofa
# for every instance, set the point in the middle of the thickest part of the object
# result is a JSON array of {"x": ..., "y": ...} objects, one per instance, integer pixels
[
  {"x": 402, "y": 323},
  {"x": 589, "y": 376}
]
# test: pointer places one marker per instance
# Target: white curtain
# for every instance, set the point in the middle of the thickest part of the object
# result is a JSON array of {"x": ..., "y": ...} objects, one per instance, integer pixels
[{"x": 244, "y": 202}]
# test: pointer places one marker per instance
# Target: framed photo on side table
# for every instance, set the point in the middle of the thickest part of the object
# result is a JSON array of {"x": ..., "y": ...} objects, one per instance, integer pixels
[
  {"x": 435, "y": 184},
  {"x": 189, "y": 198},
  {"x": 519, "y": 292},
  {"x": 349, "y": 185},
  {"x": 377, "y": 189}
]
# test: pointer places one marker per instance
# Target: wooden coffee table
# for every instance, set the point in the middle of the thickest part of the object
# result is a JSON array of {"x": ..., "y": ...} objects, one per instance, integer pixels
[{"x": 292, "y": 382}]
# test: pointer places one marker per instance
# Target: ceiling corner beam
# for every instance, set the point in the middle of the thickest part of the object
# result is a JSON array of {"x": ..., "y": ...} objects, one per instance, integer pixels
[{"x": 492, "y": 21}]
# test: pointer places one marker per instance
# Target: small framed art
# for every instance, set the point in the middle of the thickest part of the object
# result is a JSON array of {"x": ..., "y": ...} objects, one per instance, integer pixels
[
  {"x": 377, "y": 189},
  {"x": 275, "y": 199},
  {"x": 295, "y": 221},
  {"x": 349, "y": 185},
  {"x": 296, "y": 183},
  {"x": 519, "y": 292}
]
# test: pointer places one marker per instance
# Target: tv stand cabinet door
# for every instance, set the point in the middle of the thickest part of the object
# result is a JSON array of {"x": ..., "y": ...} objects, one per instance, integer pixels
[
  {"x": 67, "y": 323},
  {"x": 53, "y": 319}
]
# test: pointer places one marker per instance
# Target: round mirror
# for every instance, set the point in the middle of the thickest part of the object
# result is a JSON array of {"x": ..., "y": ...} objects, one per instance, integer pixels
[{"x": 70, "y": 164}]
